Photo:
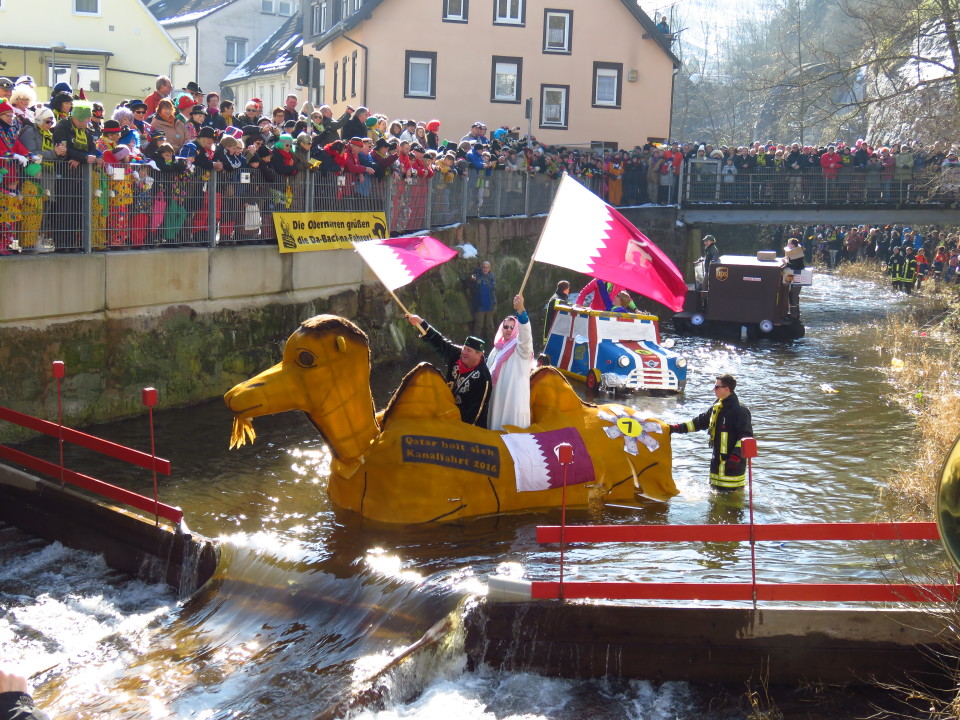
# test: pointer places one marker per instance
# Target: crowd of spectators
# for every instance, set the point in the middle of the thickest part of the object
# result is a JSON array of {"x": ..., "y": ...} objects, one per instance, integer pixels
[
  {"x": 151, "y": 160},
  {"x": 933, "y": 251}
]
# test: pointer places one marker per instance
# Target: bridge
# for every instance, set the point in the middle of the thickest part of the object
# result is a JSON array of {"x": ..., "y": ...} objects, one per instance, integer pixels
[{"x": 851, "y": 197}]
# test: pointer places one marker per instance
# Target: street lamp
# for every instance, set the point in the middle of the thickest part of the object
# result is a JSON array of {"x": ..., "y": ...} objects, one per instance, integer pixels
[{"x": 61, "y": 46}]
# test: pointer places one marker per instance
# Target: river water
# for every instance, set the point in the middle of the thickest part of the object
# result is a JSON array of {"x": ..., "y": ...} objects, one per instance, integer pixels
[{"x": 309, "y": 601}]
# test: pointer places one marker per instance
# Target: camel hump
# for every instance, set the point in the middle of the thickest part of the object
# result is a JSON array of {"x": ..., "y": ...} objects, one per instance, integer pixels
[
  {"x": 422, "y": 394},
  {"x": 551, "y": 393}
]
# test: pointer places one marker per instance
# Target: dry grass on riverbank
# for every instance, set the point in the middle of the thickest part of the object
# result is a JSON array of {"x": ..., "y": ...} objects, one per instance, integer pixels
[
  {"x": 921, "y": 358},
  {"x": 922, "y": 367}
]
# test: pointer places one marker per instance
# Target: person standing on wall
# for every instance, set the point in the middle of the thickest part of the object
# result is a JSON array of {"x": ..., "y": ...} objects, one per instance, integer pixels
[
  {"x": 484, "y": 303},
  {"x": 728, "y": 422}
]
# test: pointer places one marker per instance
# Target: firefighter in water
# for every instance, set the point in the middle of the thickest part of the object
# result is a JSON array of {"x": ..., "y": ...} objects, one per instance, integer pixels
[{"x": 728, "y": 422}]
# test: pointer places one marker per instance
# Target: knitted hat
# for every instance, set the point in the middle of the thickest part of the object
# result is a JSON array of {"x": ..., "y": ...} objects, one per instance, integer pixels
[
  {"x": 82, "y": 111},
  {"x": 474, "y": 342},
  {"x": 5, "y": 107},
  {"x": 44, "y": 113},
  {"x": 111, "y": 126},
  {"x": 358, "y": 141},
  {"x": 284, "y": 139},
  {"x": 371, "y": 121},
  {"x": 234, "y": 132},
  {"x": 433, "y": 126}
]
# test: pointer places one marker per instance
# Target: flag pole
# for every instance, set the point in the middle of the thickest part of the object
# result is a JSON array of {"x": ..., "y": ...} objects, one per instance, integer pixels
[
  {"x": 539, "y": 239},
  {"x": 404, "y": 308}
]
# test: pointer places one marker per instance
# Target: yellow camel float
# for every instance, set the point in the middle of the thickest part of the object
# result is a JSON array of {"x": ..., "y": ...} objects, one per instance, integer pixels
[{"x": 417, "y": 462}]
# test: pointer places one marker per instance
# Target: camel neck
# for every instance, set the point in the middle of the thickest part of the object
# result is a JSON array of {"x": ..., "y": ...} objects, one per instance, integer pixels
[{"x": 347, "y": 421}]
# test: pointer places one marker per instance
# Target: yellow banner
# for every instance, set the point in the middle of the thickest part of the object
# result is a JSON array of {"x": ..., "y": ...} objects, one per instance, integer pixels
[{"x": 300, "y": 232}]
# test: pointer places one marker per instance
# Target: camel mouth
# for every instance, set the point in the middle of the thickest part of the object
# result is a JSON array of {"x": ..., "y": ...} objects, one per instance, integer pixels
[{"x": 239, "y": 413}]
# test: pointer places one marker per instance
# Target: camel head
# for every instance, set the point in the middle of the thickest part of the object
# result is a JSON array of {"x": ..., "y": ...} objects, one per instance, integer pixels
[{"x": 325, "y": 372}]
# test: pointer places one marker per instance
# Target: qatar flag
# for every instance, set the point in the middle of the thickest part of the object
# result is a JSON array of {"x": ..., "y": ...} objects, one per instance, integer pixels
[
  {"x": 398, "y": 261},
  {"x": 535, "y": 461},
  {"x": 584, "y": 234}
]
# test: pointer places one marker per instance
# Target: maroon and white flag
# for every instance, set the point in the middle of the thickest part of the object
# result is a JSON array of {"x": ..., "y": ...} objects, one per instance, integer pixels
[
  {"x": 536, "y": 465},
  {"x": 584, "y": 234},
  {"x": 399, "y": 261}
]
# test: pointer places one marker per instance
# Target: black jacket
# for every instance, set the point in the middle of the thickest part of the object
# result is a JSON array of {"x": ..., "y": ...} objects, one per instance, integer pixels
[{"x": 471, "y": 391}]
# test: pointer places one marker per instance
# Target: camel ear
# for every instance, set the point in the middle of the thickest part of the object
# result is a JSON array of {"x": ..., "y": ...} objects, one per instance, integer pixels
[{"x": 341, "y": 344}]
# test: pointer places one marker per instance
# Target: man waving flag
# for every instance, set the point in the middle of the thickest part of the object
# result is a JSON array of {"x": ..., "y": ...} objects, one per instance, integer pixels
[{"x": 584, "y": 234}]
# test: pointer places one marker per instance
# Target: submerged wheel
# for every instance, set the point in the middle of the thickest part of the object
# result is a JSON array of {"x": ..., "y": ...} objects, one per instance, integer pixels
[
  {"x": 697, "y": 319},
  {"x": 593, "y": 380},
  {"x": 766, "y": 326}
]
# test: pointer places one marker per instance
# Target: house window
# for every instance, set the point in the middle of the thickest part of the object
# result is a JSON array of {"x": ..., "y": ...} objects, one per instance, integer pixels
[
  {"x": 554, "y": 104},
  {"x": 285, "y": 8},
  {"x": 353, "y": 74},
  {"x": 508, "y": 12},
  {"x": 343, "y": 79},
  {"x": 58, "y": 74},
  {"x": 315, "y": 19},
  {"x": 266, "y": 7},
  {"x": 324, "y": 16},
  {"x": 336, "y": 74},
  {"x": 184, "y": 44},
  {"x": 344, "y": 10},
  {"x": 86, "y": 7},
  {"x": 321, "y": 81},
  {"x": 505, "y": 83},
  {"x": 236, "y": 50},
  {"x": 557, "y": 29},
  {"x": 421, "y": 78},
  {"x": 88, "y": 77},
  {"x": 455, "y": 10},
  {"x": 607, "y": 79}
]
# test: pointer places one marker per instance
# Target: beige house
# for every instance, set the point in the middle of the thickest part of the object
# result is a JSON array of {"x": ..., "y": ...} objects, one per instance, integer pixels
[
  {"x": 112, "y": 49},
  {"x": 597, "y": 72}
]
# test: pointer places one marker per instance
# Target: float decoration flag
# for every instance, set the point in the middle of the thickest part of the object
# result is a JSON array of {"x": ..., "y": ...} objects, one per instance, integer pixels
[
  {"x": 584, "y": 234},
  {"x": 535, "y": 463},
  {"x": 399, "y": 261}
]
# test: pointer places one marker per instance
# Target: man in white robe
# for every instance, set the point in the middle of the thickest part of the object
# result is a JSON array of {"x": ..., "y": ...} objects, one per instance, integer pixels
[{"x": 509, "y": 363}]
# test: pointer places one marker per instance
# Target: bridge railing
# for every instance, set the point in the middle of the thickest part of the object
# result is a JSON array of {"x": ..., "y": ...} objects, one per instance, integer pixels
[
  {"x": 738, "y": 533},
  {"x": 59, "y": 471},
  {"x": 712, "y": 183}
]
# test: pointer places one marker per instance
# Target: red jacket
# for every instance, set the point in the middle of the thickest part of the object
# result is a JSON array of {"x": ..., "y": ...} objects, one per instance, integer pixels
[{"x": 830, "y": 162}]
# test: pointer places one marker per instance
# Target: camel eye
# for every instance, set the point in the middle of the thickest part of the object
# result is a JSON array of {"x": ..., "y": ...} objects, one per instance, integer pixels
[{"x": 306, "y": 359}]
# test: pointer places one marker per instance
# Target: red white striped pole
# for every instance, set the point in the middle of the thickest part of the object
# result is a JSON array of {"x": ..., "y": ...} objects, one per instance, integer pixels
[
  {"x": 564, "y": 453},
  {"x": 59, "y": 370},
  {"x": 149, "y": 396},
  {"x": 748, "y": 446}
]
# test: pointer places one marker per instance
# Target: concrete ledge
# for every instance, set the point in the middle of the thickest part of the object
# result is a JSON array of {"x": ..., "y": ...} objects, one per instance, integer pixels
[
  {"x": 706, "y": 644},
  {"x": 135, "y": 279},
  {"x": 43, "y": 285},
  {"x": 321, "y": 268},
  {"x": 245, "y": 271},
  {"x": 130, "y": 543}
]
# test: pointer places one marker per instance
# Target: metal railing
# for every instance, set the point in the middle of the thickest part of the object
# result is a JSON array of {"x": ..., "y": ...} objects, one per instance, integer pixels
[
  {"x": 91, "y": 484},
  {"x": 708, "y": 182},
  {"x": 751, "y": 533},
  {"x": 130, "y": 206}
]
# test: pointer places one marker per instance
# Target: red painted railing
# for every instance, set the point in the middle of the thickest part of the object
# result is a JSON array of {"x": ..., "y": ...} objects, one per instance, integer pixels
[
  {"x": 98, "y": 445},
  {"x": 752, "y": 533}
]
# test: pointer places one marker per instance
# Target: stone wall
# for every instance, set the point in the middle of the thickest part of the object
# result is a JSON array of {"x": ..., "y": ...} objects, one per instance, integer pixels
[{"x": 193, "y": 322}]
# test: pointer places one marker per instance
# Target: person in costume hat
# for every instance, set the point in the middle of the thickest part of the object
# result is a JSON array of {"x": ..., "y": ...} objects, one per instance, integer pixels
[{"x": 467, "y": 374}]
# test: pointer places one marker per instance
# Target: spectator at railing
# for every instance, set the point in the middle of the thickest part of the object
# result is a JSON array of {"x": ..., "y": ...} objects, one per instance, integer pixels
[{"x": 174, "y": 129}]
